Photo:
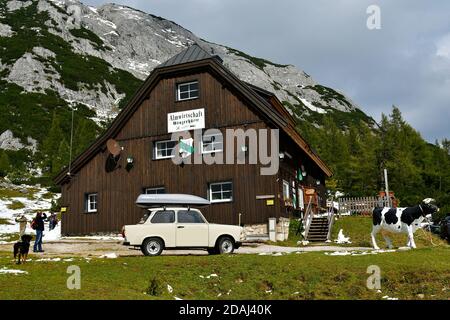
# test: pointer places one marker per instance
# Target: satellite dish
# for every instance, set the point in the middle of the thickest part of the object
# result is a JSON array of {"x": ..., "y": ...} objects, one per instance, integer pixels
[
  {"x": 113, "y": 147},
  {"x": 114, "y": 155}
]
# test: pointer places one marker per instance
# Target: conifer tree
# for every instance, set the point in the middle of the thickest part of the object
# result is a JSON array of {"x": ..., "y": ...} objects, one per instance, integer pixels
[
  {"x": 61, "y": 158},
  {"x": 5, "y": 165},
  {"x": 51, "y": 143}
]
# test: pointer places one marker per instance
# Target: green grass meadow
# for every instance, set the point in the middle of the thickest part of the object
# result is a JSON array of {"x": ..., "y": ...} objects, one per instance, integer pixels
[{"x": 412, "y": 274}]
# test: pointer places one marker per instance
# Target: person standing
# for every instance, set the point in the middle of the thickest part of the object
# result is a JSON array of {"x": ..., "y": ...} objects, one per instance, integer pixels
[
  {"x": 39, "y": 227},
  {"x": 22, "y": 220},
  {"x": 52, "y": 221}
]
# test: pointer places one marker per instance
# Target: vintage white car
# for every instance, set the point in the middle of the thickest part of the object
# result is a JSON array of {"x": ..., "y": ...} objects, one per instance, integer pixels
[{"x": 179, "y": 227}]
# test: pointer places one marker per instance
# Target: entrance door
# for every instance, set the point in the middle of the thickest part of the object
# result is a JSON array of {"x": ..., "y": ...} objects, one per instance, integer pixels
[{"x": 192, "y": 230}]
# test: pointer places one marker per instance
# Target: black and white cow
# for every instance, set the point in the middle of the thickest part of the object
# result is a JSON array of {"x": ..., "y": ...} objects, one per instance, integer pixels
[{"x": 401, "y": 220}]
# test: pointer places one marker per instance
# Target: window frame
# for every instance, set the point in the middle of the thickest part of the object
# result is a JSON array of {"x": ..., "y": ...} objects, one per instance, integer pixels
[
  {"x": 188, "y": 83},
  {"x": 88, "y": 202},
  {"x": 210, "y": 192},
  {"x": 211, "y": 151},
  {"x": 164, "y": 211},
  {"x": 196, "y": 223},
  {"x": 286, "y": 183},
  {"x": 154, "y": 188},
  {"x": 155, "y": 149}
]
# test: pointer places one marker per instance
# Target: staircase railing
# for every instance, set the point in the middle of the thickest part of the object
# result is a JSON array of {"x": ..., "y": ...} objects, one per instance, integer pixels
[
  {"x": 330, "y": 218},
  {"x": 307, "y": 219}
]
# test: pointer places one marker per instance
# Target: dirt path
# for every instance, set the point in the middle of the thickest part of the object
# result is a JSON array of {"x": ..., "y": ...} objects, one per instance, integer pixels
[{"x": 86, "y": 248}]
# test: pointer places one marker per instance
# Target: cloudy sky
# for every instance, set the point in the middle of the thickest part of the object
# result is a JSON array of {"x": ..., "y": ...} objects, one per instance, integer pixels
[{"x": 406, "y": 62}]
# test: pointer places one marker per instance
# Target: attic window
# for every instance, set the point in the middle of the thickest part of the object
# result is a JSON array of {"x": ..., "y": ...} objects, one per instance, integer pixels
[{"x": 187, "y": 91}]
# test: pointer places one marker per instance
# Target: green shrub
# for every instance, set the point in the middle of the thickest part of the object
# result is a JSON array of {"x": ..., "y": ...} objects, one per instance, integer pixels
[
  {"x": 154, "y": 288},
  {"x": 16, "y": 205}
]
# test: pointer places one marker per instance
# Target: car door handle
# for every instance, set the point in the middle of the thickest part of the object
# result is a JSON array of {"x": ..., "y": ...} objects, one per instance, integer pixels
[{"x": 180, "y": 227}]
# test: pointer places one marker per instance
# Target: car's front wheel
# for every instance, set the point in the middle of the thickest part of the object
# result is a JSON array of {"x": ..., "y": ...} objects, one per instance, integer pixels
[
  {"x": 226, "y": 245},
  {"x": 152, "y": 247}
]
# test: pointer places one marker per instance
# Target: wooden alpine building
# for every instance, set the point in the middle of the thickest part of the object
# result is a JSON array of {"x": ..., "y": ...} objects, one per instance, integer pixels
[{"x": 99, "y": 193}]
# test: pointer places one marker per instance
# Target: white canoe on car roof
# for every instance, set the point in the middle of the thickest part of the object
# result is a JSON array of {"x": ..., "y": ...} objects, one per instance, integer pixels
[{"x": 166, "y": 199}]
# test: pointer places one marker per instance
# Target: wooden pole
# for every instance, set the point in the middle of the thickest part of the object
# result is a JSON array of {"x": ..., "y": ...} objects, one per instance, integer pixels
[{"x": 387, "y": 187}]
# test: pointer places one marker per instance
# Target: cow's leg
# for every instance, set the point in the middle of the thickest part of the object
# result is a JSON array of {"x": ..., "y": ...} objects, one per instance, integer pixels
[
  {"x": 375, "y": 230},
  {"x": 411, "y": 242},
  {"x": 388, "y": 241}
]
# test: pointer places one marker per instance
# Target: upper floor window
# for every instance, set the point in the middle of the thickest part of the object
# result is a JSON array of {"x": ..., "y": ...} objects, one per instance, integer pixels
[
  {"x": 212, "y": 143},
  {"x": 221, "y": 192},
  {"x": 158, "y": 190},
  {"x": 91, "y": 202},
  {"x": 163, "y": 149},
  {"x": 187, "y": 90}
]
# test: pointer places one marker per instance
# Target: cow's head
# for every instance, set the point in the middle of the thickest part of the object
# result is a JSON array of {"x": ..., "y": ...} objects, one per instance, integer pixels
[{"x": 429, "y": 207}]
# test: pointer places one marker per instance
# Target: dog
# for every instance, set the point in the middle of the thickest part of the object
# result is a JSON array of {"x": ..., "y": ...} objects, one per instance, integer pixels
[{"x": 21, "y": 248}]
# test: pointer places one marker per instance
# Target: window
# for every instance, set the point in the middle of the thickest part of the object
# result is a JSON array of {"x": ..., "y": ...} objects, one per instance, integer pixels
[
  {"x": 286, "y": 194},
  {"x": 188, "y": 216},
  {"x": 158, "y": 190},
  {"x": 212, "y": 143},
  {"x": 163, "y": 217},
  {"x": 163, "y": 149},
  {"x": 221, "y": 192},
  {"x": 188, "y": 90},
  {"x": 91, "y": 202}
]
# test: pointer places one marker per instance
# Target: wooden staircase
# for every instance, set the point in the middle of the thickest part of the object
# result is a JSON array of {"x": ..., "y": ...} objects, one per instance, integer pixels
[{"x": 318, "y": 230}]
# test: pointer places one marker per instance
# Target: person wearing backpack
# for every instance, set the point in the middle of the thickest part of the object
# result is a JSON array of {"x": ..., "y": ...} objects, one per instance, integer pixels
[{"x": 38, "y": 225}]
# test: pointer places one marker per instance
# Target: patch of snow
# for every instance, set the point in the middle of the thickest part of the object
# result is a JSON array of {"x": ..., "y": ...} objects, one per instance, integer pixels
[
  {"x": 357, "y": 253},
  {"x": 54, "y": 234},
  {"x": 107, "y": 22},
  {"x": 29, "y": 210},
  {"x": 111, "y": 255},
  {"x": 58, "y": 3},
  {"x": 114, "y": 237},
  {"x": 4, "y": 270},
  {"x": 48, "y": 260},
  {"x": 111, "y": 32},
  {"x": 93, "y": 9},
  {"x": 341, "y": 238},
  {"x": 169, "y": 288},
  {"x": 142, "y": 67},
  {"x": 338, "y": 253},
  {"x": 312, "y": 107}
]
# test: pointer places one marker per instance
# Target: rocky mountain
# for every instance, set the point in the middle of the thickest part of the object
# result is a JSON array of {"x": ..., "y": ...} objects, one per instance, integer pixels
[{"x": 61, "y": 54}]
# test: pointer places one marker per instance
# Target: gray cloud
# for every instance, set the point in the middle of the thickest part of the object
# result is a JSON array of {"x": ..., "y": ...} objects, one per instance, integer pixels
[{"x": 406, "y": 63}]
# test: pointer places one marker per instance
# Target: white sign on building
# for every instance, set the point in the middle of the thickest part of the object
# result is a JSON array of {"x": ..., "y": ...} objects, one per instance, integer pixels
[{"x": 186, "y": 120}]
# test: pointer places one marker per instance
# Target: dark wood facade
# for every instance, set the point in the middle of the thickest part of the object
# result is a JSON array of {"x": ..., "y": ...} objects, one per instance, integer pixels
[{"x": 144, "y": 121}]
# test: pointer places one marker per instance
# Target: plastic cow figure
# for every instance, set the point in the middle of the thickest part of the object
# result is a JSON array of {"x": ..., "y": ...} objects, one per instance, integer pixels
[{"x": 401, "y": 220}]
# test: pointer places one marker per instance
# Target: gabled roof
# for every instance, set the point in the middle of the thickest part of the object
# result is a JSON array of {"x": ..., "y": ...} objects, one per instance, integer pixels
[
  {"x": 192, "y": 53},
  {"x": 269, "y": 107}
]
